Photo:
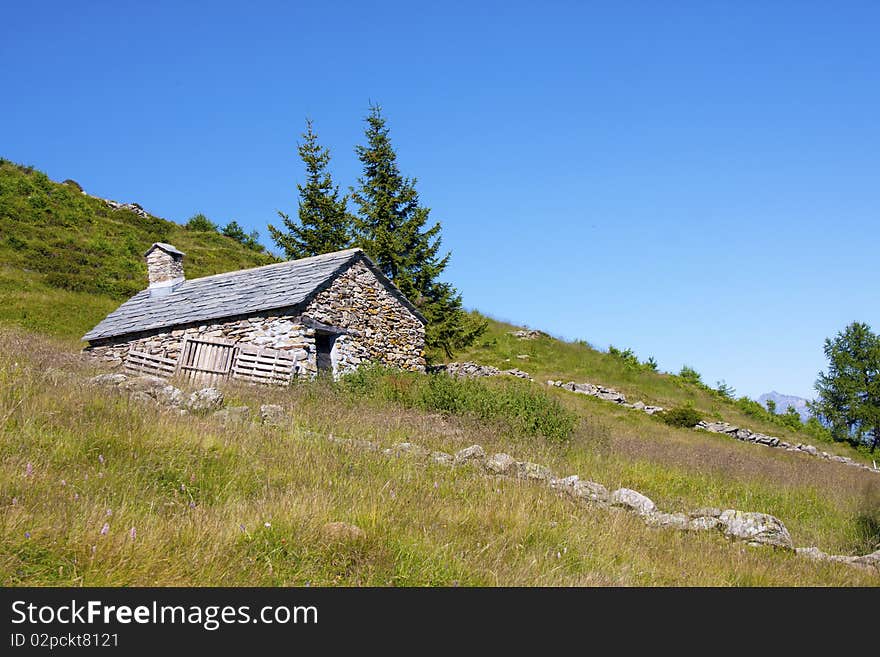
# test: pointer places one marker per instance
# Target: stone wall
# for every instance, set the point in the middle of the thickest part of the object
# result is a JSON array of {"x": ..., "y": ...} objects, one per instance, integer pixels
[
  {"x": 385, "y": 331},
  {"x": 382, "y": 329}
]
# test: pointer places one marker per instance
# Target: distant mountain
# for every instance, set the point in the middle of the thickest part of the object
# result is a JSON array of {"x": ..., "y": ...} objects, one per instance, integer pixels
[{"x": 784, "y": 401}]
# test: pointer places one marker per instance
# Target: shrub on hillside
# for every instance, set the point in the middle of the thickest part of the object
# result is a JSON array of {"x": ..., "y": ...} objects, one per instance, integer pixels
[
  {"x": 200, "y": 222},
  {"x": 690, "y": 375},
  {"x": 519, "y": 405},
  {"x": 681, "y": 416}
]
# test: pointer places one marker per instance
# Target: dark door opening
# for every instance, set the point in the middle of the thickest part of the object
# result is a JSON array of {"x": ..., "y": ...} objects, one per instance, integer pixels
[{"x": 323, "y": 348}]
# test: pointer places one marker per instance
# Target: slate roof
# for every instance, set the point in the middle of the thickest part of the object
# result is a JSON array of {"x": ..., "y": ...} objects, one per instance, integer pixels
[
  {"x": 242, "y": 292},
  {"x": 168, "y": 248}
]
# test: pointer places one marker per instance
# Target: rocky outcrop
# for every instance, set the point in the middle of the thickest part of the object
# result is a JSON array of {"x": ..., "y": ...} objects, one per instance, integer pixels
[
  {"x": 271, "y": 414},
  {"x": 633, "y": 501},
  {"x": 528, "y": 334},
  {"x": 205, "y": 400},
  {"x": 605, "y": 394}
]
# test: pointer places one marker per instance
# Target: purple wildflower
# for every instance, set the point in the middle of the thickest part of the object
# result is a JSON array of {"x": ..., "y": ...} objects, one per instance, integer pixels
[
  {"x": 63, "y": 482},
  {"x": 27, "y": 534},
  {"x": 192, "y": 505},
  {"x": 100, "y": 458},
  {"x": 29, "y": 469},
  {"x": 241, "y": 527},
  {"x": 76, "y": 496},
  {"x": 109, "y": 512},
  {"x": 133, "y": 533},
  {"x": 14, "y": 501},
  {"x": 105, "y": 529}
]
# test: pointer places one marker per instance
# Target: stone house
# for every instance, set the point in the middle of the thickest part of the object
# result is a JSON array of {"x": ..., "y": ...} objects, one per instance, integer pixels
[{"x": 268, "y": 324}]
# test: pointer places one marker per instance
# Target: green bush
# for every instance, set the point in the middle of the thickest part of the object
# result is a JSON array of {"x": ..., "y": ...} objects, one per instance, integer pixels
[
  {"x": 201, "y": 223},
  {"x": 681, "y": 416},
  {"x": 691, "y": 375},
  {"x": 519, "y": 405}
]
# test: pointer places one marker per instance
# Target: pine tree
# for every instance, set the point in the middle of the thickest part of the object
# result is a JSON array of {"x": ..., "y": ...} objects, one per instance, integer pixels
[
  {"x": 849, "y": 393},
  {"x": 324, "y": 223},
  {"x": 392, "y": 228}
]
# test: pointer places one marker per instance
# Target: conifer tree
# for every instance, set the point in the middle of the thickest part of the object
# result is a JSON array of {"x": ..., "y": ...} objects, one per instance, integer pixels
[
  {"x": 392, "y": 227},
  {"x": 324, "y": 224}
]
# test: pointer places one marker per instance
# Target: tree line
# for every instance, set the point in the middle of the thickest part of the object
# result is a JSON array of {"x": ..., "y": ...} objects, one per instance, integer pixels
[{"x": 387, "y": 220}]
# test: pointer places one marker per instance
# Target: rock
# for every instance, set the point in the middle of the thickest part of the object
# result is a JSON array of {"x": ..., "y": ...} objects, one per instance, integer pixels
[
  {"x": 146, "y": 383},
  {"x": 271, "y": 414},
  {"x": 705, "y": 512},
  {"x": 468, "y": 454},
  {"x": 518, "y": 374},
  {"x": 632, "y": 500},
  {"x": 527, "y": 334},
  {"x": 533, "y": 471},
  {"x": 233, "y": 415},
  {"x": 872, "y": 560},
  {"x": 759, "y": 528},
  {"x": 501, "y": 464},
  {"x": 205, "y": 400},
  {"x": 589, "y": 491},
  {"x": 141, "y": 397},
  {"x": 442, "y": 458},
  {"x": 168, "y": 395},
  {"x": 703, "y": 523},
  {"x": 639, "y": 406},
  {"x": 343, "y": 532},
  {"x": 671, "y": 520},
  {"x": 108, "y": 379}
]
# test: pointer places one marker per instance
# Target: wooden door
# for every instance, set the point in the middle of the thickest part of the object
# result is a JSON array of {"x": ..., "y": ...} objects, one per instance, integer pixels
[{"x": 206, "y": 362}]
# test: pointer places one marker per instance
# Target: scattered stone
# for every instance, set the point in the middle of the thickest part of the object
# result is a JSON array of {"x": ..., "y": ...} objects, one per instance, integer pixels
[
  {"x": 632, "y": 500},
  {"x": 756, "y": 528},
  {"x": 271, "y": 414},
  {"x": 703, "y": 523},
  {"x": 528, "y": 334},
  {"x": 533, "y": 471},
  {"x": 706, "y": 512},
  {"x": 205, "y": 400},
  {"x": 468, "y": 454},
  {"x": 670, "y": 520},
  {"x": 501, "y": 464},
  {"x": 343, "y": 532},
  {"x": 442, "y": 458},
  {"x": 168, "y": 395}
]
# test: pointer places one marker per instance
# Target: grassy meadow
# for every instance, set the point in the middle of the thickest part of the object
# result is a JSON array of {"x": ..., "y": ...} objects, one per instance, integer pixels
[{"x": 122, "y": 493}]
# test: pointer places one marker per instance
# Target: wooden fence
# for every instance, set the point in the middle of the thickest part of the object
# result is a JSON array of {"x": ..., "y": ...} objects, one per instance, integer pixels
[{"x": 210, "y": 361}]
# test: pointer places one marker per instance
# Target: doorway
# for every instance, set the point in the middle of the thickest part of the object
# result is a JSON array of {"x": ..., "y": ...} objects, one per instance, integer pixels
[{"x": 324, "y": 352}]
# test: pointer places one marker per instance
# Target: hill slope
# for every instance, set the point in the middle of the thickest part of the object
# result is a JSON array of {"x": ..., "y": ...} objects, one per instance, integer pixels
[{"x": 67, "y": 258}]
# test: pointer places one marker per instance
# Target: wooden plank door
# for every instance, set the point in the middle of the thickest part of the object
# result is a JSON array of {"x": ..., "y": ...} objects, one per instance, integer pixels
[{"x": 206, "y": 362}]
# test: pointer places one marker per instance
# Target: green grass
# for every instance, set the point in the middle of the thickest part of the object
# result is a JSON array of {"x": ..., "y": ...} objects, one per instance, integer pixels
[
  {"x": 199, "y": 495},
  {"x": 67, "y": 240},
  {"x": 551, "y": 358}
]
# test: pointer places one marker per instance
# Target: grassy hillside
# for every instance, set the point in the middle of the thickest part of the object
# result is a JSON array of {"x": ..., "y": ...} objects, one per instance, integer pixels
[
  {"x": 66, "y": 258},
  {"x": 245, "y": 505},
  {"x": 549, "y": 358}
]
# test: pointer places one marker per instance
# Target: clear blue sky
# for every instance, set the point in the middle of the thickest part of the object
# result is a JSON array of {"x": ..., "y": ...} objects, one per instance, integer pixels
[{"x": 699, "y": 181}]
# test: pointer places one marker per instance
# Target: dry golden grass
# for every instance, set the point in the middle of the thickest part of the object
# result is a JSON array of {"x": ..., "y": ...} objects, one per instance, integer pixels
[{"x": 199, "y": 495}]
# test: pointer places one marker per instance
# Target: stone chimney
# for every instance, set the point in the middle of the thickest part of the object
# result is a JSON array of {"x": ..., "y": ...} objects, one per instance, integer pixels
[{"x": 164, "y": 267}]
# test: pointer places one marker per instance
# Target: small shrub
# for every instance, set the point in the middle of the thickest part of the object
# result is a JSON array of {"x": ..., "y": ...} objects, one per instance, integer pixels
[
  {"x": 681, "y": 416},
  {"x": 519, "y": 405},
  {"x": 200, "y": 222},
  {"x": 690, "y": 375},
  {"x": 74, "y": 184}
]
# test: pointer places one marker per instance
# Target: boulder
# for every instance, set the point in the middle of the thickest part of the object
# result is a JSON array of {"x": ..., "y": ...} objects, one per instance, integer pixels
[
  {"x": 233, "y": 415},
  {"x": 168, "y": 395},
  {"x": 501, "y": 464},
  {"x": 703, "y": 523},
  {"x": 470, "y": 454},
  {"x": 533, "y": 471},
  {"x": 342, "y": 532},
  {"x": 632, "y": 500},
  {"x": 670, "y": 520},
  {"x": 442, "y": 458},
  {"x": 705, "y": 512},
  {"x": 205, "y": 400},
  {"x": 753, "y": 527},
  {"x": 271, "y": 414}
]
